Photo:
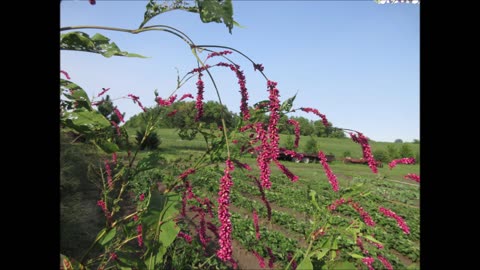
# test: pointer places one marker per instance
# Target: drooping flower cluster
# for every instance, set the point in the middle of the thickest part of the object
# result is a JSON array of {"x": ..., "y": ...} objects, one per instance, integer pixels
[
  {"x": 166, "y": 102},
  {"x": 401, "y": 223},
  {"x": 109, "y": 174},
  {"x": 113, "y": 256},
  {"x": 264, "y": 156},
  {"x": 290, "y": 258},
  {"x": 119, "y": 115},
  {"x": 332, "y": 178},
  {"x": 212, "y": 228},
  {"x": 287, "y": 172},
  {"x": 103, "y": 206},
  {"x": 365, "y": 216},
  {"x": 359, "y": 243},
  {"x": 199, "y": 101},
  {"x": 297, "y": 131},
  {"x": 292, "y": 153},
  {"x": 316, "y": 112},
  {"x": 367, "y": 151},
  {"x": 185, "y": 236},
  {"x": 114, "y": 158},
  {"x": 261, "y": 261},
  {"x": 394, "y": 162},
  {"x": 413, "y": 177},
  {"x": 141, "y": 197},
  {"x": 243, "y": 88},
  {"x": 336, "y": 204},
  {"x": 264, "y": 198},
  {"x": 202, "y": 230},
  {"x": 136, "y": 100},
  {"x": 172, "y": 113},
  {"x": 258, "y": 67},
  {"x": 65, "y": 73},
  {"x": 186, "y": 96},
  {"x": 139, "y": 235},
  {"x": 272, "y": 257},
  {"x": 368, "y": 261},
  {"x": 377, "y": 245},
  {"x": 104, "y": 90},
  {"x": 225, "y": 230},
  {"x": 272, "y": 130},
  {"x": 117, "y": 128},
  {"x": 255, "y": 224},
  {"x": 199, "y": 69},
  {"x": 385, "y": 262},
  {"x": 218, "y": 54},
  {"x": 186, "y": 173}
]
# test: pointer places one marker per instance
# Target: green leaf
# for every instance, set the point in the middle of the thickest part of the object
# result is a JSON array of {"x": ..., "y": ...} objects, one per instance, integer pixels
[
  {"x": 369, "y": 237},
  {"x": 159, "y": 216},
  {"x": 85, "y": 121},
  {"x": 64, "y": 260},
  {"x": 79, "y": 95},
  {"x": 333, "y": 254},
  {"x": 413, "y": 266},
  {"x": 287, "y": 104},
  {"x": 169, "y": 231},
  {"x": 343, "y": 266},
  {"x": 216, "y": 11},
  {"x": 356, "y": 256},
  {"x": 306, "y": 264},
  {"x": 79, "y": 41},
  {"x": 107, "y": 147},
  {"x": 321, "y": 253},
  {"x": 129, "y": 260},
  {"x": 108, "y": 237},
  {"x": 335, "y": 244},
  {"x": 153, "y": 9}
]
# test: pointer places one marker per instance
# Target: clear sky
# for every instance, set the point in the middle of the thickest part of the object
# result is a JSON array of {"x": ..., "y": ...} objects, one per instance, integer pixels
[{"x": 357, "y": 62}]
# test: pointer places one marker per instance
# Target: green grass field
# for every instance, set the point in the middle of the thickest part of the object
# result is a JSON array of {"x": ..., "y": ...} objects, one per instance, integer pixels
[{"x": 172, "y": 145}]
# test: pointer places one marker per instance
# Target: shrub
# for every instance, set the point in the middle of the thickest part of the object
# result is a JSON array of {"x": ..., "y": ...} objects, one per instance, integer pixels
[
  {"x": 405, "y": 151},
  {"x": 311, "y": 146},
  {"x": 392, "y": 152},
  {"x": 381, "y": 155},
  {"x": 152, "y": 141}
]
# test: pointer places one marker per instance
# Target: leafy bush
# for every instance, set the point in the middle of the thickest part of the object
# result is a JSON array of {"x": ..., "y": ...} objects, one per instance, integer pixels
[
  {"x": 347, "y": 154},
  {"x": 152, "y": 141},
  {"x": 381, "y": 155},
  {"x": 289, "y": 144},
  {"x": 392, "y": 152},
  {"x": 311, "y": 146},
  {"x": 405, "y": 151}
]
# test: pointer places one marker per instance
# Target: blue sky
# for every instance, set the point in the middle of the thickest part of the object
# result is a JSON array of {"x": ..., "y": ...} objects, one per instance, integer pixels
[{"x": 357, "y": 62}]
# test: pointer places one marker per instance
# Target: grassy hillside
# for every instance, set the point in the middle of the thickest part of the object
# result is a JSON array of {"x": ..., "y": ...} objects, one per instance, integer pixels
[{"x": 172, "y": 145}]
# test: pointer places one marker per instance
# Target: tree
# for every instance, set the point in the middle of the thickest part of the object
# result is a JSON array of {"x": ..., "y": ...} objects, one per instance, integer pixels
[
  {"x": 151, "y": 142},
  {"x": 306, "y": 127},
  {"x": 398, "y": 141},
  {"x": 392, "y": 152},
  {"x": 289, "y": 143},
  {"x": 405, "y": 151},
  {"x": 416, "y": 141},
  {"x": 311, "y": 146}
]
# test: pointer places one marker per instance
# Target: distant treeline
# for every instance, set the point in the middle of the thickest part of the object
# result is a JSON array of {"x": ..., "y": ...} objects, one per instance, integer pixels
[{"x": 181, "y": 115}]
